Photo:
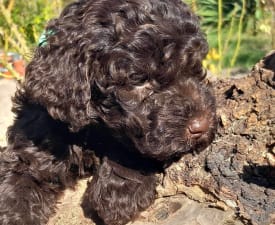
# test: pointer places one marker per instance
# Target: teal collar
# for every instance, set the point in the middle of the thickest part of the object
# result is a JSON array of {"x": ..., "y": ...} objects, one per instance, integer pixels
[{"x": 42, "y": 42}]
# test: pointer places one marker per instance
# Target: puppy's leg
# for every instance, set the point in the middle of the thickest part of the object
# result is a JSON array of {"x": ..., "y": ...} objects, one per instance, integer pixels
[
  {"x": 117, "y": 194},
  {"x": 30, "y": 183}
]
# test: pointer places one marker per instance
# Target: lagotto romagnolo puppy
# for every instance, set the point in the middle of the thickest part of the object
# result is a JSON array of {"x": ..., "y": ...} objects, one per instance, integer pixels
[{"x": 116, "y": 91}]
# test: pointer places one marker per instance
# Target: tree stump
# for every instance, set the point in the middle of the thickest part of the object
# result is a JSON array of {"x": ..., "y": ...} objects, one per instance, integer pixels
[{"x": 238, "y": 169}]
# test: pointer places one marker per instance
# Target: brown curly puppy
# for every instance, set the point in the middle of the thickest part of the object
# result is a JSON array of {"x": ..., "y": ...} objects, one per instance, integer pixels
[{"x": 117, "y": 90}]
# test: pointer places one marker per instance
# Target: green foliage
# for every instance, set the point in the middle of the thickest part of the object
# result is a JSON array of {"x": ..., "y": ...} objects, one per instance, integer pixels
[
  {"x": 208, "y": 10},
  {"x": 30, "y": 17},
  {"x": 231, "y": 27},
  {"x": 21, "y": 24}
]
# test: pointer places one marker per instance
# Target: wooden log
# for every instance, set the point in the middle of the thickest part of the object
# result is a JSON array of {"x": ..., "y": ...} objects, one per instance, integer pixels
[{"x": 238, "y": 169}]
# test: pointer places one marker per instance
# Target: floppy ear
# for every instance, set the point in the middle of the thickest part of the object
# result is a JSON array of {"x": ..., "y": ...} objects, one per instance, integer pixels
[
  {"x": 66, "y": 65},
  {"x": 59, "y": 79}
]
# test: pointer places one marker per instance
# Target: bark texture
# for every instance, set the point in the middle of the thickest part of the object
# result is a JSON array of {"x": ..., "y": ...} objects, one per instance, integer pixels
[{"x": 238, "y": 169}]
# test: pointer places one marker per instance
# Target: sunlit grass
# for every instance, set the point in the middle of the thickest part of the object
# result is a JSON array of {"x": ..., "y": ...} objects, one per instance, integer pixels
[{"x": 252, "y": 49}]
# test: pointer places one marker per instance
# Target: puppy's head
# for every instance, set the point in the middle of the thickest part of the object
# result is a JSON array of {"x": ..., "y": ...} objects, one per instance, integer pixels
[
  {"x": 171, "y": 121},
  {"x": 134, "y": 66}
]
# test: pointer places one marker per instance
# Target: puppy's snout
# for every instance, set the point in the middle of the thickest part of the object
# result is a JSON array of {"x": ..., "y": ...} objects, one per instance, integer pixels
[{"x": 197, "y": 127}]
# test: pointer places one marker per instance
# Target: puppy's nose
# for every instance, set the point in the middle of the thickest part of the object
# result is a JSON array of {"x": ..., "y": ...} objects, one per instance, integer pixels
[{"x": 197, "y": 127}]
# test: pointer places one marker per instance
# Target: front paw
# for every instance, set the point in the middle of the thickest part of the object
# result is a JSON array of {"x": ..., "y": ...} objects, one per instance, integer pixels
[{"x": 117, "y": 194}]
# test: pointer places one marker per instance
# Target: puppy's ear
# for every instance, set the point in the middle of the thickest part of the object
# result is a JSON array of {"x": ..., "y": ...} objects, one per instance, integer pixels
[
  {"x": 59, "y": 78},
  {"x": 117, "y": 194}
]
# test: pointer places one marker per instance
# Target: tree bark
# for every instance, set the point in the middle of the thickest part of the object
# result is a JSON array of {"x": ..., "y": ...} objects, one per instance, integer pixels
[{"x": 238, "y": 170}]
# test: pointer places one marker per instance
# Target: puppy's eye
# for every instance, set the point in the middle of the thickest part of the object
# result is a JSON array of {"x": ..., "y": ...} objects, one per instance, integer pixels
[
  {"x": 138, "y": 78},
  {"x": 147, "y": 96}
]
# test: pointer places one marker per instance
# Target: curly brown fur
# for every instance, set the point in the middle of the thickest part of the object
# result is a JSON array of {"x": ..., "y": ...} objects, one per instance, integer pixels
[
  {"x": 117, "y": 90},
  {"x": 30, "y": 185},
  {"x": 115, "y": 187}
]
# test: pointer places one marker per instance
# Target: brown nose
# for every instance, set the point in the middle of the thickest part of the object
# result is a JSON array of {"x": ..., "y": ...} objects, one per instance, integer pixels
[{"x": 197, "y": 127}]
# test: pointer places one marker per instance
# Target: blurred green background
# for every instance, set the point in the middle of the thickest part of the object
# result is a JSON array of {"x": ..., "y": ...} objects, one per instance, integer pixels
[{"x": 239, "y": 32}]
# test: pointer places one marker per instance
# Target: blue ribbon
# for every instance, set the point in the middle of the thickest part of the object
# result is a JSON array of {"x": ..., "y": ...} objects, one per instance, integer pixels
[{"x": 42, "y": 42}]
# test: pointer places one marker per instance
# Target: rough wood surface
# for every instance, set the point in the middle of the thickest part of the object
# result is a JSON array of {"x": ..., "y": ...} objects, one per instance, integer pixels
[{"x": 238, "y": 169}]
